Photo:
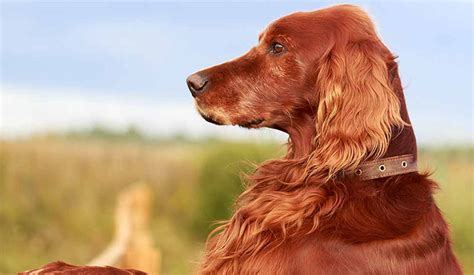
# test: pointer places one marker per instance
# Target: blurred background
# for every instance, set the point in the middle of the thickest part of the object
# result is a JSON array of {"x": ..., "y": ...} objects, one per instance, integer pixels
[{"x": 94, "y": 103}]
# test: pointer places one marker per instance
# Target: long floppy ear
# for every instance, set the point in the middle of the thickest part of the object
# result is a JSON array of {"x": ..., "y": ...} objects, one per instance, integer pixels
[{"x": 357, "y": 107}]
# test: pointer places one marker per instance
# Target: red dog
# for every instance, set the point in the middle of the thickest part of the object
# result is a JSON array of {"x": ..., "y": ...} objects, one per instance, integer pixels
[{"x": 347, "y": 197}]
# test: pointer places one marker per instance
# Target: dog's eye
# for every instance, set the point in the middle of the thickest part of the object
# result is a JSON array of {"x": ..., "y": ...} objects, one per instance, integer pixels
[{"x": 277, "y": 48}]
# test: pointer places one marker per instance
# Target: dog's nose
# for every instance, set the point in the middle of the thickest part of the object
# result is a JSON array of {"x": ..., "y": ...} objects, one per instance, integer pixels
[{"x": 197, "y": 84}]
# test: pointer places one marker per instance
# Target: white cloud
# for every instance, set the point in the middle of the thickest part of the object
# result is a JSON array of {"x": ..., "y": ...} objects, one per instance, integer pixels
[
  {"x": 25, "y": 111},
  {"x": 440, "y": 129}
]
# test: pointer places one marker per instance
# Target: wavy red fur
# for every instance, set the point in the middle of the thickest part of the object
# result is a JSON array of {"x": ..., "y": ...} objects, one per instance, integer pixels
[{"x": 334, "y": 87}]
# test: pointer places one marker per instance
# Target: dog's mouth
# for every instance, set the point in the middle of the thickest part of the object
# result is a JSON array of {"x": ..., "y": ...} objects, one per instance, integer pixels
[
  {"x": 253, "y": 123},
  {"x": 250, "y": 124},
  {"x": 211, "y": 119}
]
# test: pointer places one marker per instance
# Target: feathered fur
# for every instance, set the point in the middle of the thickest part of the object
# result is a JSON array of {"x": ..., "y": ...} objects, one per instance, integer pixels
[{"x": 336, "y": 91}]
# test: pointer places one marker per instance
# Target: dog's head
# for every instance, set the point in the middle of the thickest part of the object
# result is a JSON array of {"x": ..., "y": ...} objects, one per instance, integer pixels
[{"x": 328, "y": 64}]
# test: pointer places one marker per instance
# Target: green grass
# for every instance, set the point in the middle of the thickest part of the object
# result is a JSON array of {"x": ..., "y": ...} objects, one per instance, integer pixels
[{"x": 57, "y": 195}]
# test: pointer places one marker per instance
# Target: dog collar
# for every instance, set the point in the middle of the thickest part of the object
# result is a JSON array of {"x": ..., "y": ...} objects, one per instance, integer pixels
[{"x": 385, "y": 167}]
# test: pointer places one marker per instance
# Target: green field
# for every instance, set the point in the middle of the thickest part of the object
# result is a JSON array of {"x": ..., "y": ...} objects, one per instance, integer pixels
[{"x": 57, "y": 195}]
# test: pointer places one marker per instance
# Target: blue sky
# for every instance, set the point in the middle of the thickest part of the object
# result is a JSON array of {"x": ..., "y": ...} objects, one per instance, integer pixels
[{"x": 72, "y": 64}]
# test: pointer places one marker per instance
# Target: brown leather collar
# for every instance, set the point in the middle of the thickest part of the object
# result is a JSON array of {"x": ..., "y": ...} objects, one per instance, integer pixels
[{"x": 385, "y": 167}]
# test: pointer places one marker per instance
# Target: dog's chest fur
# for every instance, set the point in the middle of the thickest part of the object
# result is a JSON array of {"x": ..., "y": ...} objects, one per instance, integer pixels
[
  {"x": 405, "y": 234},
  {"x": 425, "y": 251}
]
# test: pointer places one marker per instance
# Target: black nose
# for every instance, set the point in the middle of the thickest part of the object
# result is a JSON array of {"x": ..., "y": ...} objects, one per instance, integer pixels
[{"x": 197, "y": 84}]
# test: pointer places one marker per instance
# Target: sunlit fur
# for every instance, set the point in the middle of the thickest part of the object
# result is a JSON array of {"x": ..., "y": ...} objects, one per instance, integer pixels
[
  {"x": 338, "y": 95},
  {"x": 357, "y": 109}
]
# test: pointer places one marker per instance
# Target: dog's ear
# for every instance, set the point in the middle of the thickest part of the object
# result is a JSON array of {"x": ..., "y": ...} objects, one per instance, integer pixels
[{"x": 357, "y": 107}]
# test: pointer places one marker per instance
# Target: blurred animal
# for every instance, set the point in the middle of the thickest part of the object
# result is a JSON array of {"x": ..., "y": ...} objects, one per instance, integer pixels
[
  {"x": 59, "y": 268},
  {"x": 347, "y": 197}
]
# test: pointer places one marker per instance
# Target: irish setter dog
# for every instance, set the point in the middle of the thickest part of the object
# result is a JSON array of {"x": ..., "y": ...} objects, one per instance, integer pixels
[{"x": 340, "y": 201}]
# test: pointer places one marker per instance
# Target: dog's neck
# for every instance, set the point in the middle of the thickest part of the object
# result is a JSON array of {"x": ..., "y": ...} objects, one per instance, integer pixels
[
  {"x": 403, "y": 142},
  {"x": 301, "y": 135},
  {"x": 303, "y": 132}
]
